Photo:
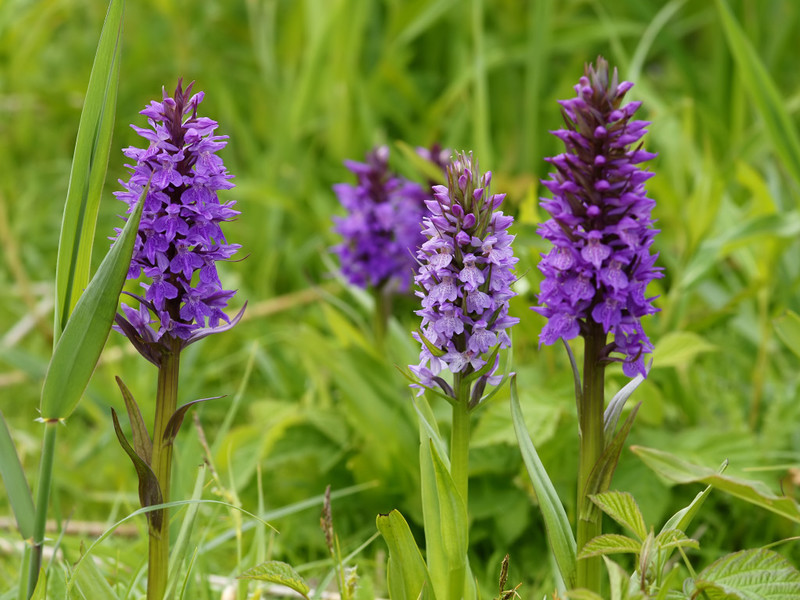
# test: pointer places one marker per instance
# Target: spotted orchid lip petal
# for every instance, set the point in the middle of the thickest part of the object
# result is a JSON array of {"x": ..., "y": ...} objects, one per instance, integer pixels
[
  {"x": 180, "y": 237},
  {"x": 600, "y": 227}
]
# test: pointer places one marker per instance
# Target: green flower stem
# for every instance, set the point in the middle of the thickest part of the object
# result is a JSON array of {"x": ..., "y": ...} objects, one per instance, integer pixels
[
  {"x": 459, "y": 463},
  {"x": 42, "y": 501},
  {"x": 166, "y": 403},
  {"x": 590, "y": 418}
]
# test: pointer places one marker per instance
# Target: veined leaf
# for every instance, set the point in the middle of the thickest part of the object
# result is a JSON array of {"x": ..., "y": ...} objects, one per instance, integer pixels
[
  {"x": 610, "y": 543},
  {"x": 275, "y": 571},
  {"x": 559, "y": 533},
  {"x": 757, "y": 574},
  {"x": 407, "y": 575},
  {"x": 85, "y": 334},
  {"x": 89, "y": 165},
  {"x": 19, "y": 493},
  {"x": 622, "y": 507},
  {"x": 680, "y": 471}
]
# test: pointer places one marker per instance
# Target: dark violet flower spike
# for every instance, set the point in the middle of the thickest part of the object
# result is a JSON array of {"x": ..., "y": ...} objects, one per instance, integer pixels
[
  {"x": 600, "y": 225},
  {"x": 466, "y": 269},
  {"x": 381, "y": 228},
  {"x": 180, "y": 238}
]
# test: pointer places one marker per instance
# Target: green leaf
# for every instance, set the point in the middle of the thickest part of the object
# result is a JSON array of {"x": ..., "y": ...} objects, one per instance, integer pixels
[
  {"x": 90, "y": 582},
  {"x": 674, "y": 538},
  {"x": 757, "y": 574},
  {"x": 620, "y": 582},
  {"x": 407, "y": 575},
  {"x": 679, "y": 348},
  {"x": 40, "y": 591},
  {"x": 610, "y": 543},
  {"x": 275, "y": 571},
  {"x": 614, "y": 408},
  {"x": 141, "y": 438},
  {"x": 89, "y": 165},
  {"x": 583, "y": 594},
  {"x": 675, "y": 469},
  {"x": 424, "y": 167},
  {"x": 622, "y": 507},
  {"x": 772, "y": 108},
  {"x": 683, "y": 518},
  {"x": 559, "y": 532},
  {"x": 787, "y": 327},
  {"x": 176, "y": 420},
  {"x": 79, "y": 348},
  {"x": 19, "y": 493},
  {"x": 149, "y": 488}
]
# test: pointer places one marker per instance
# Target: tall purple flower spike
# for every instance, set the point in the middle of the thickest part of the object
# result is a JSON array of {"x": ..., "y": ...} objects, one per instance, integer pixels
[
  {"x": 601, "y": 228},
  {"x": 381, "y": 228},
  {"x": 180, "y": 238},
  {"x": 464, "y": 279}
]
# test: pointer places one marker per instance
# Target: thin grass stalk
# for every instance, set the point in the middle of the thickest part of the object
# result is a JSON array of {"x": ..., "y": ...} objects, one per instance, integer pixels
[
  {"x": 42, "y": 501},
  {"x": 590, "y": 418},
  {"x": 166, "y": 404}
]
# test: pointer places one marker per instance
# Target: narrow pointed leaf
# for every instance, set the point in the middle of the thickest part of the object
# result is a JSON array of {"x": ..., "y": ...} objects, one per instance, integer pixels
[
  {"x": 622, "y": 507},
  {"x": 758, "y": 574},
  {"x": 680, "y": 471},
  {"x": 407, "y": 574},
  {"x": 610, "y": 543},
  {"x": 19, "y": 493},
  {"x": 40, "y": 591},
  {"x": 614, "y": 408},
  {"x": 89, "y": 165},
  {"x": 91, "y": 584},
  {"x": 683, "y": 518},
  {"x": 620, "y": 582},
  {"x": 85, "y": 334},
  {"x": 141, "y": 438},
  {"x": 602, "y": 472},
  {"x": 149, "y": 489},
  {"x": 275, "y": 571},
  {"x": 559, "y": 532},
  {"x": 176, "y": 420}
]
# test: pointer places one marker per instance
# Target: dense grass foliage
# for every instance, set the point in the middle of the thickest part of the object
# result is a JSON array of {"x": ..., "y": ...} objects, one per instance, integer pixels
[{"x": 299, "y": 86}]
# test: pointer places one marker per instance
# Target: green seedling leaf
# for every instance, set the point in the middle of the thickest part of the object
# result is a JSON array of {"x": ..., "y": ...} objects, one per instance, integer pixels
[
  {"x": 674, "y": 538},
  {"x": 788, "y": 329},
  {"x": 610, "y": 543},
  {"x": 88, "y": 172},
  {"x": 141, "y": 438},
  {"x": 19, "y": 493},
  {"x": 176, "y": 420},
  {"x": 764, "y": 92},
  {"x": 680, "y": 471},
  {"x": 683, "y": 518},
  {"x": 275, "y": 571},
  {"x": 85, "y": 334},
  {"x": 91, "y": 584},
  {"x": 149, "y": 489},
  {"x": 757, "y": 574},
  {"x": 559, "y": 532},
  {"x": 602, "y": 472},
  {"x": 614, "y": 408},
  {"x": 680, "y": 348},
  {"x": 622, "y": 507},
  {"x": 407, "y": 575}
]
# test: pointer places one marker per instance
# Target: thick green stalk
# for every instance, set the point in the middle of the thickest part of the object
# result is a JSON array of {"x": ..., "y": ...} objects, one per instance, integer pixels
[
  {"x": 166, "y": 403},
  {"x": 590, "y": 418},
  {"x": 459, "y": 464},
  {"x": 42, "y": 501}
]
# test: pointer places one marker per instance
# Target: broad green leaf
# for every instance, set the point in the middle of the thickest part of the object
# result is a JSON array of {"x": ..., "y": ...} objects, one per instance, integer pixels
[
  {"x": 141, "y": 438},
  {"x": 679, "y": 348},
  {"x": 79, "y": 348},
  {"x": 787, "y": 327},
  {"x": 90, "y": 582},
  {"x": 407, "y": 575},
  {"x": 89, "y": 165},
  {"x": 19, "y": 493},
  {"x": 675, "y": 469},
  {"x": 683, "y": 518},
  {"x": 768, "y": 101},
  {"x": 275, "y": 571},
  {"x": 610, "y": 543},
  {"x": 453, "y": 523},
  {"x": 757, "y": 574},
  {"x": 559, "y": 532},
  {"x": 622, "y": 507}
]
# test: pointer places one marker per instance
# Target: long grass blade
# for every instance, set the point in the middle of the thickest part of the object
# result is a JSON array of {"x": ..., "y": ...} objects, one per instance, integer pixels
[{"x": 19, "y": 494}]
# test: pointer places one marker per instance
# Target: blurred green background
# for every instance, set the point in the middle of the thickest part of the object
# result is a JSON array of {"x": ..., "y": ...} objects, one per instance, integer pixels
[{"x": 299, "y": 86}]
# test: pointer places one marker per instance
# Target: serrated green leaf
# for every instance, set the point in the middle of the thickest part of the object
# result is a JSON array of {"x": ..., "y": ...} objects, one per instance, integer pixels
[
  {"x": 622, "y": 507},
  {"x": 680, "y": 471},
  {"x": 87, "y": 329},
  {"x": 787, "y": 327},
  {"x": 407, "y": 574},
  {"x": 275, "y": 571},
  {"x": 610, "y": 543},
  {"x": 679, "y": 348},
  {"x": 757, "y": 574},
  {"x": 16, "y": 485},
  {"x": 559, "y": 533},
  {"x": 88, "y": 172}
]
